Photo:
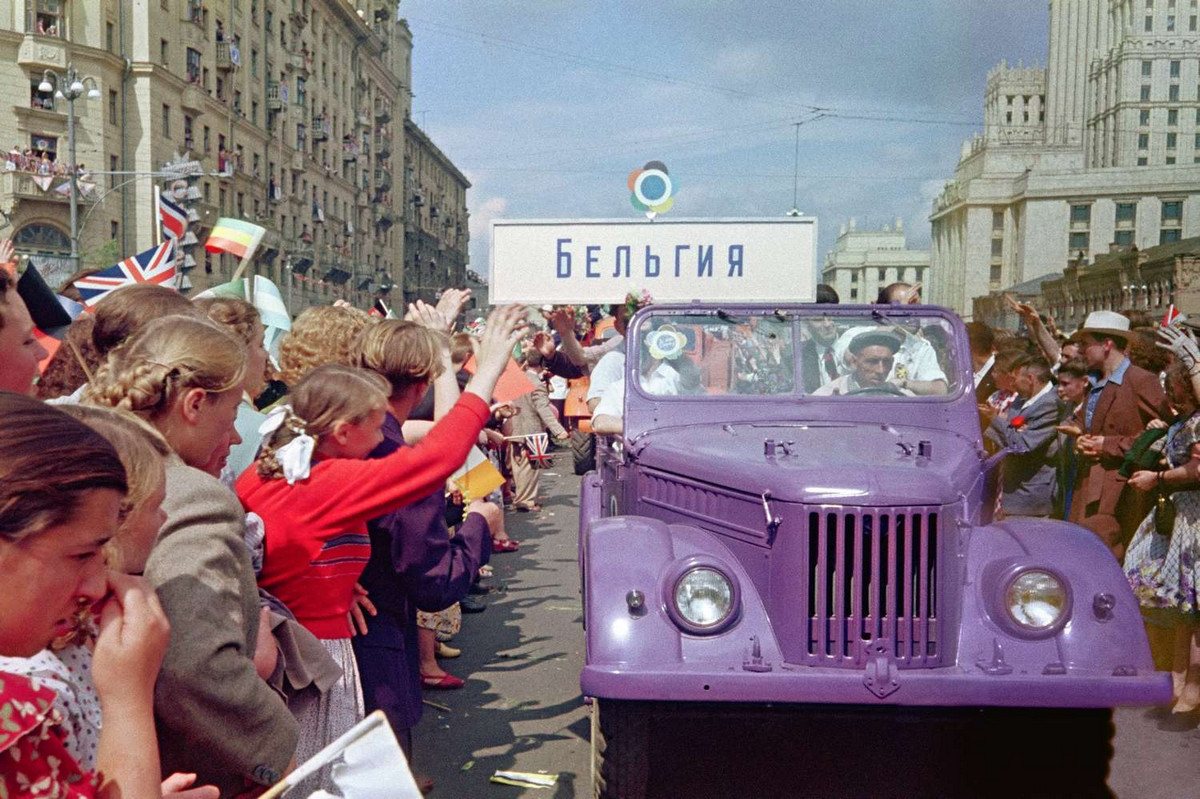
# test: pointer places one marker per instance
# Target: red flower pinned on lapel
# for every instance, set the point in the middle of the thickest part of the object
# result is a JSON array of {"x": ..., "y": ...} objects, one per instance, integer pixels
[{"x": 1018, "y": 422}]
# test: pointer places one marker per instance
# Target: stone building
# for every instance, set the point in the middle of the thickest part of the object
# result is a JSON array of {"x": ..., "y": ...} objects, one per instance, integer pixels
[
  {"x": 436, "y": 232},
  {"x": 1101, "y": 147},
  {"x": 864, "y": 261},
  {"x": 295, "y": 110},
  {"x": 1150, "y": 279}
]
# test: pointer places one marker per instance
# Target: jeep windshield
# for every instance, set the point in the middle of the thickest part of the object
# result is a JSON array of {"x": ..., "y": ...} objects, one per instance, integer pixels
[{"x": 769, "y": 354}]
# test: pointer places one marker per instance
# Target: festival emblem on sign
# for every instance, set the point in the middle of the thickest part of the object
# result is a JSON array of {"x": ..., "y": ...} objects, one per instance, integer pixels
[{"x": 653, "y": 189}]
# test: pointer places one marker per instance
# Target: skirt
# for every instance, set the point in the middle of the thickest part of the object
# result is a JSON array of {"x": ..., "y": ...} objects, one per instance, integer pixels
[
  {"x": 446, "y": 623},
  {"x": 1164, "y": 572},
  {"x": 327, "y": 716}
]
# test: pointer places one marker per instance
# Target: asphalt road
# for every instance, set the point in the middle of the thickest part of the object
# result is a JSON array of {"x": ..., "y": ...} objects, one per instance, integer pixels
[{"x": 521, "y": 708}]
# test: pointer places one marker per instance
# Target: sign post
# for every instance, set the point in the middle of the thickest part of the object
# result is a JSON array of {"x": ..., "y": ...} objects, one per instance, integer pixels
[{"x": 677, "y": 260}]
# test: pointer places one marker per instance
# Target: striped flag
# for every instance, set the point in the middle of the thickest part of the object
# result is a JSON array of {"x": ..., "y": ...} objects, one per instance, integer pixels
[
  {"x": 538, "y": 445},
  {"x": 477, "y": 477},
  {"x": 1173, "y": 316},
  {"x": 236, "y": 237},
  {"x": 174, "y": 219},
  {"x": 156, "y": 265}
]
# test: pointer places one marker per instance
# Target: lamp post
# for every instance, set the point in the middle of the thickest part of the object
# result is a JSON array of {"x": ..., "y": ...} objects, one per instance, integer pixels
[{"x": 71, "y": 87}]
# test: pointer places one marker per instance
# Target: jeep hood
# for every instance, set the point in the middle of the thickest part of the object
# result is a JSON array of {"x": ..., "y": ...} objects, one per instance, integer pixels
[{"x": 826, "y": 462}]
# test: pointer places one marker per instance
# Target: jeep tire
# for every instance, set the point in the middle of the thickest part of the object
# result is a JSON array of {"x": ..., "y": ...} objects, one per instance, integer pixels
[
  {"x": 583, "y": 451},
  {"x": 620, "y": 749}
]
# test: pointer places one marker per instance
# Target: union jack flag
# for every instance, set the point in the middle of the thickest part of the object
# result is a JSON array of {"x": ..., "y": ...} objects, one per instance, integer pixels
[
  {"x": 174, "y": 219},
  {"x": 156, "y": 265},
  {"x": 538, "y": 445}
]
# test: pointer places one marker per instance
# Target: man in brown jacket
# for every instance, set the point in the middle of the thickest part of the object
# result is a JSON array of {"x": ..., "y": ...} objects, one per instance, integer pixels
[{"x": 1121, "y": 401}]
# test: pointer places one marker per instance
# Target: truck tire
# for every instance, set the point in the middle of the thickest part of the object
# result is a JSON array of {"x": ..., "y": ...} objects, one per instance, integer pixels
[
  {"x": 583, "y": 451},
  {"x": 620, "y": 750}
]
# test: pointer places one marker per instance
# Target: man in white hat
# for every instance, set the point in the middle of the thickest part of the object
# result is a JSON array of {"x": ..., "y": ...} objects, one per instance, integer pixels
[{"x": 1122, "y": 399}]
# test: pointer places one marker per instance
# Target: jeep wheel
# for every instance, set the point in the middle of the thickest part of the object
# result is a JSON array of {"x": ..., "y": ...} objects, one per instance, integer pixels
[
  {"x": 583, "y": 451},
  {"x": 620, "y": 750}
]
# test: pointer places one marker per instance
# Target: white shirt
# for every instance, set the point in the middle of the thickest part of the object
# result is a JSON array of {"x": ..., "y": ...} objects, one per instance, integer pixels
[
  {"x": 983, "y": 370},
  {"x": 847, "y": 384},
  {"x": 662, "y": 382},
  {"x": 609, "y": 370},
  {"x": 916, "y": 360}
]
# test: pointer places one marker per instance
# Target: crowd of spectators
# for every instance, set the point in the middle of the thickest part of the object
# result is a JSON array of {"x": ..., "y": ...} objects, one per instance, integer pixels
[{"x": 218, "y": 563}]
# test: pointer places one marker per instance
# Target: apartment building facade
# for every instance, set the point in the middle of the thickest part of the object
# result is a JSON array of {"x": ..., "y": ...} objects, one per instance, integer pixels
[{"x": 293, "y": 109}]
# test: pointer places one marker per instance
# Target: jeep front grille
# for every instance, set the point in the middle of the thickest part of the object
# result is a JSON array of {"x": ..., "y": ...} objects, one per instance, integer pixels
[{"x": 872, "y": 576}]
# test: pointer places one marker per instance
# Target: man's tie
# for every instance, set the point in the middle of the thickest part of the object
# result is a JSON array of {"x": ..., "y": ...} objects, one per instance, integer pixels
[{"x": 830, "y": 368}]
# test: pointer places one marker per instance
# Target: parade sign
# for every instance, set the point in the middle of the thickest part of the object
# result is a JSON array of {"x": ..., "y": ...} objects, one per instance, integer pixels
[{"x": 677, "y": 260}]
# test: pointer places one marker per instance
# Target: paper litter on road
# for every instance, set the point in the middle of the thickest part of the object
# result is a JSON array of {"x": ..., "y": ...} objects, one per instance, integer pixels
[
  {"x": 525, "y": 779},
  {"x": 470, "y": 764},
  {"x": 443, "y": 708}
]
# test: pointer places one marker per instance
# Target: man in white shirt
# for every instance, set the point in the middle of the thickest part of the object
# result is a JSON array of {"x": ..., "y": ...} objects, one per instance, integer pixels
[
  {"x": 915, "y": 367},
  {"x": 871, "y": 356},
  {"x": 608, "y": 414}
]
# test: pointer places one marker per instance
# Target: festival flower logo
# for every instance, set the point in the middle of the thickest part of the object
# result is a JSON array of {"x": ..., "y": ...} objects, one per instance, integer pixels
[{"x": 653, "y": 189}]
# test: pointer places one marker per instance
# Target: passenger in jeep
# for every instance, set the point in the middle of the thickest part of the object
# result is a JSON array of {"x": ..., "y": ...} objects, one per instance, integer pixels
[{"x": 871, "y": 356}]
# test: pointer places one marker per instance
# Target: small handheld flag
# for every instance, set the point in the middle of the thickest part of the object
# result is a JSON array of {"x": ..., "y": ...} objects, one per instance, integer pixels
[
  {"x": 156, "y": 265},
  {"x": 477, "y": 477},
  {"x": 236, "y": 237},
  {"x": 1173, "y": 316},
  {"x": 538, "y": 445},
  {"x": 173, "y": 218}
]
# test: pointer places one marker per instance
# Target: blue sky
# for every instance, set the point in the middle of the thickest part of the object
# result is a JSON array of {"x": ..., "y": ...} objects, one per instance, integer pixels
[{"x": 547, "y": 105}]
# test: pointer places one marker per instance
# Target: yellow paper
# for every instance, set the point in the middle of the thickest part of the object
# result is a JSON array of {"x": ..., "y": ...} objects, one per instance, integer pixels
[{"x": 478, "y": 477}]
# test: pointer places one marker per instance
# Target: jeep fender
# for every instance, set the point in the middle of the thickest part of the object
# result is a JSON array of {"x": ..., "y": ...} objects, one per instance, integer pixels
[
  {"x": 635, "y": 553},
  {"x": 1103, "y": 631}
]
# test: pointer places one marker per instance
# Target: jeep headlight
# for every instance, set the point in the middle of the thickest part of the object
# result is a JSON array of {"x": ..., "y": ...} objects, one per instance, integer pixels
[
  {"x": 1036, "y": 600},
  {"x": 704, "y": 597}
]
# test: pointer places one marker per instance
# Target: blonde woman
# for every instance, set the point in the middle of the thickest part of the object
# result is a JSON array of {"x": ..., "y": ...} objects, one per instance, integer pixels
[
  {"x": 185, "y": 376},
  {"x": 320, "y": 335},
  {"x": 243, "y": 321}
]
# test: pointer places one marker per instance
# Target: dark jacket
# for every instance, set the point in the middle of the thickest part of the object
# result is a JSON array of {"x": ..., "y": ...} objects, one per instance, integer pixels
[
  {"x": 1029, "y": 470},
  {"x": 414, "y": 564}
]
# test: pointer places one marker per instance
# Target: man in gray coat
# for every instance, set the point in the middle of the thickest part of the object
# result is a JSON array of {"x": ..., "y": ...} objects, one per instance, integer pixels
[
  {"x": 1028, "y": 476},
  {"x": 216, "y": 716}
]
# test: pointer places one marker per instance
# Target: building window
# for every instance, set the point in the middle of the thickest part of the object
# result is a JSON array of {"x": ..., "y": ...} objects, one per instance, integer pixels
[
  {"x": 1078, "y": 240},
  {"x": 1170, "y": 23},
  {"x": 997, "y": 221},
  {"x": 110, "y": 37},
  {"x": 1147, "y": 67},
  {"x": 995, "y": 273},
  {"x": 163, "y": 53},
  {"x": 1143, "y": 141},
  {"x": 48, "y": 18},
  {"x": 1149, "y": 26},
  {"x": 1144, "y": 117},
  {"x": 1192, "y": 23},
  {"x": 1170, "y": 160},
  {"x": 854, "y": 294},
  {"x": 112, "y": 107},
  {"x": 1174, "y": 69},
  {"x": 254, "y": 63},
  {"x": 882, "y": 275},
  {"x": 37, "y": 97},
  {"x": 193, "y": 66},
  {"x": 854, "y": 277},
  {"x": 997, "y": 248},
  {"x": 166, "y": 120},
  {"x": 1196, "y": 143},
  {"x": 1142, "y": 161},
  {"x": 1145, "y": 94},
  {"x": 1124, "y": 238},
  {"x": 1172, "y": 116},
  {"x": 1172, "y": 140},
  {"x": 112, "y": 171},
  {"x": 114, "y": 229},
  {"x": 1126, "y": 214},
  {"x": 1172, "y": 221},
  {"x": 1173, "y": 92}
]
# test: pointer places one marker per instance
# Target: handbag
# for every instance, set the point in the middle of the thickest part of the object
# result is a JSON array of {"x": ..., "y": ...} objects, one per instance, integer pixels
[{"x": 1164, "y": 513}]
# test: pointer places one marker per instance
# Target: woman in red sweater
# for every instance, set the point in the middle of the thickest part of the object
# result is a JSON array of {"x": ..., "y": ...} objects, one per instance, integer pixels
[{"x": 315, "y": 493}]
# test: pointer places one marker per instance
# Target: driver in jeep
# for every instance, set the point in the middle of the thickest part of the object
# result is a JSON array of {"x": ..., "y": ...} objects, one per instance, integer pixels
[{"x": 870, "y": 355}]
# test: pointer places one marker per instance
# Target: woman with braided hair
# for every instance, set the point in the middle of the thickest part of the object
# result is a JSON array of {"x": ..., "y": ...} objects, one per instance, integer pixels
[{"x": 185, "y": 376}]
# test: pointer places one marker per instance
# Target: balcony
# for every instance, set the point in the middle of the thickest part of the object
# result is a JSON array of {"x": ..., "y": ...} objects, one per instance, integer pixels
[
  {"x": 224, "y": 56},
  {"x": 383, "y": 111},
  {"x": 384, "y": 216},
  {"x": 298, "y": 162},
  {"x": 274, "y": 97},
  {"x": 320, "y": 127},
  {"x": 298, "y": 61},
  {"x": 192, "y": 98},
  {"x": 302, "y": 257},
  {"x": 16, "y": 187},
  {"x": 299, "y": 14},
  {"x": 383, "y": 146},
  {"x": 364, "y": 119},
  {"x": 42, "y": 52}
]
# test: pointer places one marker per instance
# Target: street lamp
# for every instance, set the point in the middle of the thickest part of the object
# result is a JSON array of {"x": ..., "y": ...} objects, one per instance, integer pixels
[{"x": 75, "y": 86}]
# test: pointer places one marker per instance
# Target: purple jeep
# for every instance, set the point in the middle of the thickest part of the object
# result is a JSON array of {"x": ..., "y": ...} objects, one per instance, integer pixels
[{"x": 799, "y": 518}]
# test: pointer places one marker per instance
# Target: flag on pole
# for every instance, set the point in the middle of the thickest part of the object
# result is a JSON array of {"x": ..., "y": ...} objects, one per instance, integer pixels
[
  {"x": 266, "y": 298},
  {"x": 477, "y": 477},
  {"x": 538, "y": 445},
  {"x": 1173, "y": 316},
  {"x": 373, "y": 765},
  {"x": 174, "y": 219},
  {"x": 236, "y": 237},
  {"x": 156, "y": 265}
]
